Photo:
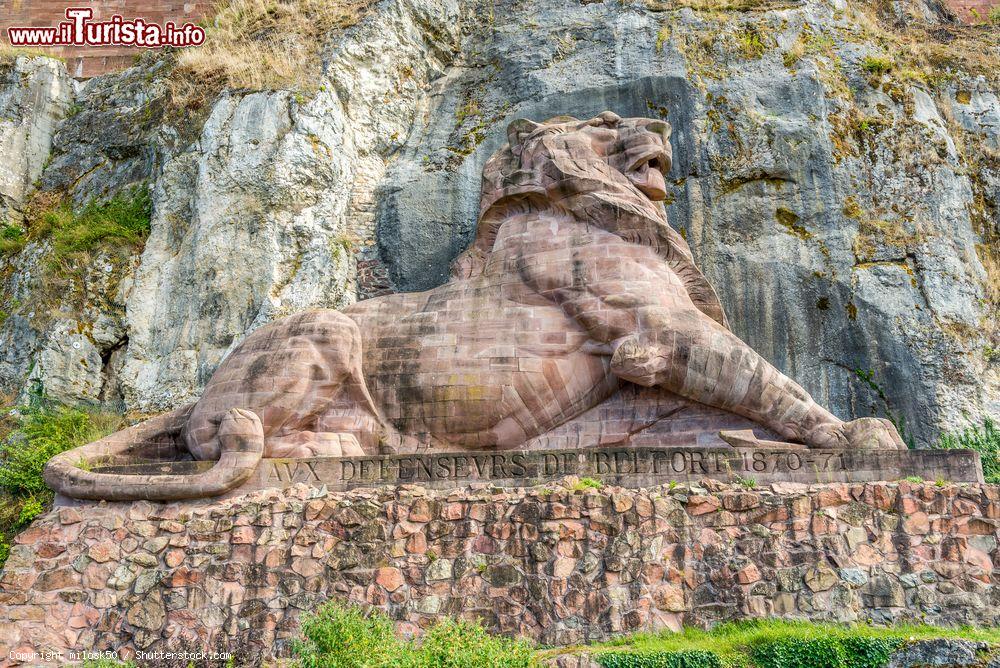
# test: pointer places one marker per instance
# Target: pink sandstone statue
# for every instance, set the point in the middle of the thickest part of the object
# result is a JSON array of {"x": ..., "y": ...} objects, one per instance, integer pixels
[{"x": 576, "y": 318}]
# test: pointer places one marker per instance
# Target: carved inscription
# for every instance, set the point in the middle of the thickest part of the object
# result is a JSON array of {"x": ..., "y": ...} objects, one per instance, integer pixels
[{"x": 653, "y": 463}]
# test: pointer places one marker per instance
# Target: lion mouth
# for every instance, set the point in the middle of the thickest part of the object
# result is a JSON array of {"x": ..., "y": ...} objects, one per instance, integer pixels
[{"x": 646, "y": 174}]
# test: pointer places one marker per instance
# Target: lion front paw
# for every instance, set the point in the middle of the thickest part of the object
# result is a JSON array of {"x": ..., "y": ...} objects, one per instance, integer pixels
[{"x": 860, "y": 434}]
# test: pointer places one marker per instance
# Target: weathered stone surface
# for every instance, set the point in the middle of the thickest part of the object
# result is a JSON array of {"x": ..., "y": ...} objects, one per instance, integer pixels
[
  {"x": 821, "y": 577},
  {"x": 277, "y": 220},
  {"x": 559, "y": 565},
  {"x": 390, "y": 578},
  {"x": 35, "y": 94},
  {"x": 66, "y": 338},
  {"x": 148, "y": 613},
  {"x": 279, "y": 189},
  {"x": 950, "y": 653}
]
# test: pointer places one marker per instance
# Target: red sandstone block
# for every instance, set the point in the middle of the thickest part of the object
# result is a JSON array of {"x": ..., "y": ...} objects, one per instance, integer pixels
[
  {"x": 242, "y": 535},
  {"x": 832, "y": 496},
  {"x": 701, "y": 505},
  {"x": 748, "y": 574}
]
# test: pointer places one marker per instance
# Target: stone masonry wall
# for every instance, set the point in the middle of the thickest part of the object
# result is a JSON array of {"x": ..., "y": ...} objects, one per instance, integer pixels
[{"x": 557, "y": 565}]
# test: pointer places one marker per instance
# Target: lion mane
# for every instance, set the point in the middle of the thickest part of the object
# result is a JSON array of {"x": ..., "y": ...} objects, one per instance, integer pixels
[{"x": 534, "y": 172}]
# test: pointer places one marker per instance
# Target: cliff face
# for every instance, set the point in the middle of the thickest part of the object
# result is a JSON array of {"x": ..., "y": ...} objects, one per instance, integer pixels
[{"x": 837, "y": 175}]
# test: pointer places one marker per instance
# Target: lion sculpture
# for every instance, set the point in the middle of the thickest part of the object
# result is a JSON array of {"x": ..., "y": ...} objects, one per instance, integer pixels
[{"x": 576, "y": 318}]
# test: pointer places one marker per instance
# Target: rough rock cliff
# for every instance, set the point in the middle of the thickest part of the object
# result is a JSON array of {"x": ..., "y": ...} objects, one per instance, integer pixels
[{"x": 836, "y": 171}]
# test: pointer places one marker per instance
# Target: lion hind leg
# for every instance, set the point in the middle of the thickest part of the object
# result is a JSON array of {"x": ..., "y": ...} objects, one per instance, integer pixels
[{"x": 301, "y": 375}]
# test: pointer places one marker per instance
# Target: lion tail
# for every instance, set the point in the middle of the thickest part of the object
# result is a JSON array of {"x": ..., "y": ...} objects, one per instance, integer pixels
[{"x": 157, "y": 441}]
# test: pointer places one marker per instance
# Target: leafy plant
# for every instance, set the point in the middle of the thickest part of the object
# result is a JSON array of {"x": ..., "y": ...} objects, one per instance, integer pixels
[
  {"x": 794, "y": 653},
  {"x": 457, "y": 644},
  {"x": 587, "y": 483},
  {"x": 42, "y": 433},
  {"x": 12, "y": 238},
  {"x": 825, "y": 652},
  {"x": 338, "y": 636},
  {"x": 123, "y": 220},
  {"x": 29, "y": 437},
  {"x": 662, "y": 37},
  {"x": 983, "y": 439},
  {"x": 31, "y": 509},
  {"x": 682, "y": 659},
  {"x": 867, "y": 652}
]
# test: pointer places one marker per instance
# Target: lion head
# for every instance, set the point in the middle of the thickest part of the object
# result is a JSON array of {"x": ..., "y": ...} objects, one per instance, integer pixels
[{"x": 607, "y": 171}]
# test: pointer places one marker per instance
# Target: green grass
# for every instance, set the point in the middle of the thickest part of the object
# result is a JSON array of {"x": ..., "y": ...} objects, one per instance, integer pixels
[
  {"x": 339, "y": 636},
  {"x": 876, "y": 65},
  {"x": 123, "y": 220},
  {"x": 984, "y": 439},
  {"x": 29, "y": 437},
  {"x": 750, "y": 42},
  {"x": 776, "y": 643},
  {"x": 587, "y": 483},
  {"x": 343, "y": 636},
  {"x": 12, "y": 238}
]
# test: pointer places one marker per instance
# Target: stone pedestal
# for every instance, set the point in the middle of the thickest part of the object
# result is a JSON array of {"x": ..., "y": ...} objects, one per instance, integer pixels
[
  {"x": 624, "y": 466},
  {"x": 563, "y": 563}
]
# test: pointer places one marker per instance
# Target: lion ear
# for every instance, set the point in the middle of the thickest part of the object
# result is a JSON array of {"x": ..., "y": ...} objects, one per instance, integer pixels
[{"x": 518, "y": 131}]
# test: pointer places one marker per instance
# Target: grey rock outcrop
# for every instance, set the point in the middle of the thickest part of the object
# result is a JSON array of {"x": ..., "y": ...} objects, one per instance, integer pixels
[
  {"x": 34, "y": 96},
  {"x": 950, "y": 653},
  {"x": 844, "y": 214}
]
